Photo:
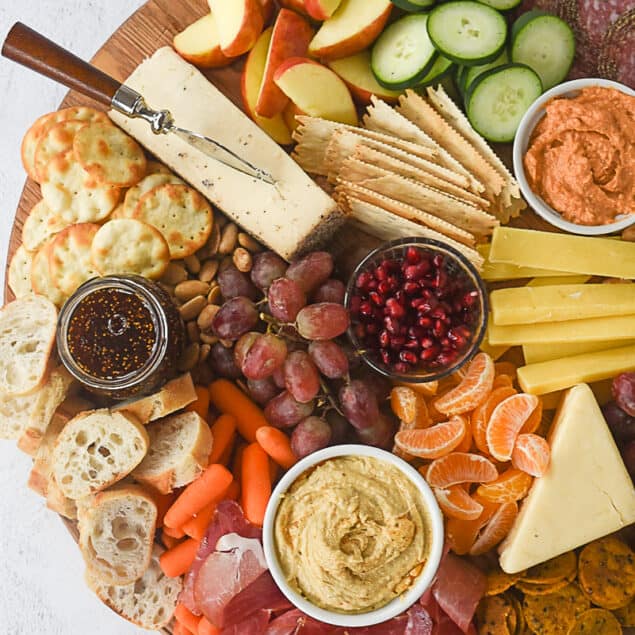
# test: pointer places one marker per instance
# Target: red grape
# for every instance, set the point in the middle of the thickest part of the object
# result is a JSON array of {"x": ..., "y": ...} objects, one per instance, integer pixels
[
  {"x": 286, "y": 298},
  {"x": 623, "y": 389},
  {"x": 234, "y": 283},
  {"x": 222, "y": 362},
  {"x": 266, "y": 353},
  {"x": 310, "y": 435},
  {"x": 622, "y": 425},
  {"x": 267, "y": 266},
  {"x": 242, "y": 346},
  {"x": 330, "y": 358},
  {"x": 278, "y": 377},
  {"x": 284, "y": 411},
  {"x": 330, "y": 291},
  {"x": 262, "y": 390},
  {"x": 322, "y": 321},
  {"x": 628, "y": 455},
  {"x": 311, "y": 270},
  {"x": 235, "y": 318},
  {"x": 380, "y": 434},
  {"x": 341, "y": 429},
  {"x": 359, "y": 404},
  {"x": 301, "y": 377}
]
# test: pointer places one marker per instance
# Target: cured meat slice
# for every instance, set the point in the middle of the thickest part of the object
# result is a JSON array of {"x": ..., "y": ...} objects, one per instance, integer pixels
[
  {"x": 596, "y": 16},
  {"x": 458, "y": 589},
  {"x": 255, "y": 624},
  {"x": 419, "y": 621},
  {"x": 295, "y": 622},
  {"x": 617, "y": 55}
]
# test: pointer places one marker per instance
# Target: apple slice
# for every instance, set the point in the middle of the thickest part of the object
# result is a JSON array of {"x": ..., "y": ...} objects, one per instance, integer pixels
[
  {"x": 354, "y": 26},
  {"x": 294, "y": 5},
  {"x": 289, "y": 115},
  {"x": 250, "y": 82},
  {"x": 316, "y": 90},
  {"x": 321, "y": 9},
  {"x": 356, "y": 72},
  {"x": 291, "y": 37},
  {"x": 199, "y": 44},
  {"x": 267, "y": 7},
  {"x": 239, "y": 24}
]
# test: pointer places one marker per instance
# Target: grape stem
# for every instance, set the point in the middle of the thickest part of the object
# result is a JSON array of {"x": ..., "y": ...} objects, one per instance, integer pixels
[{"x": 329, "y": 398}]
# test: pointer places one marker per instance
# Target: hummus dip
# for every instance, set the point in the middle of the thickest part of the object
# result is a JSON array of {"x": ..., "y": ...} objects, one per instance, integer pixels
[
  {"x": 352, "y": 534},
  {"x": 581, "y": 156}
]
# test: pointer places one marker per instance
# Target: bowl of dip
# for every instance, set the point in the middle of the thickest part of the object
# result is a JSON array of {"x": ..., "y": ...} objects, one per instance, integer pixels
[
  {"x": 572, "y": 159},
  {"x": 353, "y": 535}
]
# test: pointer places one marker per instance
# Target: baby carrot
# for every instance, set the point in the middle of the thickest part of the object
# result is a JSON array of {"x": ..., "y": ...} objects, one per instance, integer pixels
[
  {"x": 230, "y": 399},
  {"x": 205, "y": 627},
  {"x": 163, "y": 503},
  {"x": 168, "y": 541},
  {"x": 179, "y": 629},
  {"x": 174, "y": 532},
  {"x": 256, "y": 483},
  {"x": 277, "y": 445},
  {"x": 176, "y": 561},
  {"x": 197, "y": 526},
  {"x": 201, "y": 405},
  {"x": 209, "y": 486},
  {"x": 223, "y": 434},
  {"x": 186, "y": 618}
]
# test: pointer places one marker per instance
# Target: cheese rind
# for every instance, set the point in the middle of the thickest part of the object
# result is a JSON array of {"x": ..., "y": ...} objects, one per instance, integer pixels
[
  {"x": 563, "y": 252},
  {"x": 585, "y": 494},
  {"x": 293, "y": 216}
]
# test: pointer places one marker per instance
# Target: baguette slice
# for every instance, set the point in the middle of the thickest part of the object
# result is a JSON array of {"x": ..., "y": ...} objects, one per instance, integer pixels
[
  {"x": 27, "y": 335},
  {"x": 175, "y": 395},
  {"x": 149, "y": 602},
  {"x": 59, "y": 503},
  {"x": 178, "y": 453},
  {"x": 116, "y": 534},
  {"x": 96, "y": 449}
]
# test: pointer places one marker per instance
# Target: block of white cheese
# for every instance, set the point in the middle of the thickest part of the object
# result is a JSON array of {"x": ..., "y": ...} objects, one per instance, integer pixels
[
  {"x": 585, "y": 494},
  {"x": 293, "y": 216}
]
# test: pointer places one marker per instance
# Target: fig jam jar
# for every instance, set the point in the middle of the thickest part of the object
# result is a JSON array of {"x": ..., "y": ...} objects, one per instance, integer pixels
[
  {"x": 418, "y": 309},
  {"x": 120, "y": 336}
]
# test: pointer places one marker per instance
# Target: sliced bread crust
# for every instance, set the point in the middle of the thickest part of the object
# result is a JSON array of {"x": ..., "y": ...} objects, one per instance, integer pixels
[{"x": 179, "y": 450}]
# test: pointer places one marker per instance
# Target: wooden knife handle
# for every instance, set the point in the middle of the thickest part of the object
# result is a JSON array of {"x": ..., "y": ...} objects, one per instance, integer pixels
[{"x": 27, "y": 47}]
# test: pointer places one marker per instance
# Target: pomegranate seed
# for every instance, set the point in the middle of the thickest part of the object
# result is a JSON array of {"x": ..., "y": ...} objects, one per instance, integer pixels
[
  {"x": 438, "y": 260},
  {"x": 444, "y": 341},
  {"x": 413, "y": 255},
  {"x": 384, "y": 339},
  {"x": 427, "y": 342},
  {"x": 385, "y": 356},
  {"x": 412, "y": 345},
  {"x": 410, "y": 288},
  {"x": 392, "y": 325},
  {"x": 376, "y": 299},
  {"x": 439, "y": 329},
  {"x": 402, "y": 367},
  {"x": 408, "y": 357},
  {"x": 380, "y": 273},
  {"x": 425, "y": 322},
  {"x": 447, "y": 357},
  {"x": 394, "y": 309},
  {"x": 366, "y": 309},
  {"x": 371, "y": 285},
  {"x": 469, "y": 299},
  {"x": 438, "y": 312},
  {"x": 384, "y": 287},
  {"x": 396, "y": 342},
  {"x": 362, "y": 280},
  {"x": 428, "y": 354},
  {"x": 391, "y": 265},
  {"x": 417, "y": 302}
]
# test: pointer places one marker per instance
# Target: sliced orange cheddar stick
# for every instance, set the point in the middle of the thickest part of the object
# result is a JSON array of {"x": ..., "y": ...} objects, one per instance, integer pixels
[
  {"x": 201, "y": 405},
  {"x": 223, "y": 435},
  {"x": 186, "y": 618},
  {"x": 176, "y": 561},
  {"x": 208, "y": 487},
  {"x": 197, "y": 526},
  {"x": 205, "y": 627},
  {"x": 256, "y": 483},
  {"x": 229, "y": 399},
  {"x": 277, "y": 445}
]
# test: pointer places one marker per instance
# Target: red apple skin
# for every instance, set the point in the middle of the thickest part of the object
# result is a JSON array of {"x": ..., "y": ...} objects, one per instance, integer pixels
[
  {"x": 267, "y": 7},
  {"x": 215, "y": 58},
  {"x": 249, "y": 31},
  {"x": 315, "y": 9},
  {"x": 291, "y": 37},
  {"x": 294, "y": 5}
]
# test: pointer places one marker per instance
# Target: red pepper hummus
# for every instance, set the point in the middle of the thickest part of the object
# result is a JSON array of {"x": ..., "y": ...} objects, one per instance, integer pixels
[{"x": 581, "y": 156}]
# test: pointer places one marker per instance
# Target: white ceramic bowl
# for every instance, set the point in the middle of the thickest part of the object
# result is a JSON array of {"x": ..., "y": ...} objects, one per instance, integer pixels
[
  {"x": 527, "y": 124},
  {"x": 400, "y": 603}
]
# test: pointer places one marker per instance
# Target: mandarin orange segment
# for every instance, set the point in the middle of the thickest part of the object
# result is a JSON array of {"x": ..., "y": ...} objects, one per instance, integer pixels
[
  {"x": 455, "y": 502},
  {"x": 428, "y": 388},
  {"x": 531, "y": 454},
  {"x": 433, "y": 442},
  {"x": 460, "y": 467},
  {"x": 535, "y": 419},
  {"x": 502, "y": 380},
  {"x": 472, "y": 390},
  {"x": 496, "y": 529},
  {"x": 481, "y": 414},
  {"x": 505, "y": 424},
  {"x": 511, "y": 485},
  {"x": 409, "y": 406},
  {"x": 505, "y": 368},
  {"x": 466, "y": 442},
  {"x": 461, "y": 534}
]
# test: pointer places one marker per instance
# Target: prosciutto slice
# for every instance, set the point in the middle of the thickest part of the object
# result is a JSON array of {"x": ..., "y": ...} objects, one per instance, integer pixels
[
  {"x": 295, "y": 622},
  {"x": 255, "y": 624}
]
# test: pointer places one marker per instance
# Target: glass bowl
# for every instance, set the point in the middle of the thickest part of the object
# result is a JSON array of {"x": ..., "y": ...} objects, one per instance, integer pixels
[{"x": 456, "y": 266}]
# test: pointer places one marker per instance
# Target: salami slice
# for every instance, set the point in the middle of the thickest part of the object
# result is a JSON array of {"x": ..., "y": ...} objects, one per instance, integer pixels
[
  {"x": 617, "y": 55},
  {"x": 596, "y": 16}
]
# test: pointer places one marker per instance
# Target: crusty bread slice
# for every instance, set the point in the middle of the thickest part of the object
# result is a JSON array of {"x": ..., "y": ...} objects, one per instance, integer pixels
[
  {"x": 149, "y": 602},
  {"x": 175, "y": 394},
  {"x": 178, "y": 452},
  {"x": 96, "y": 449},
  {"x": 57, "y": 502},
  {"x": 27, "y": 335},
  {"x": 116, "y": 533}
]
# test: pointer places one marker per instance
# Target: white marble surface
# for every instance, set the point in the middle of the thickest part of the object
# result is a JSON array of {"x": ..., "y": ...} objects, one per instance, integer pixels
[{"x": 41, "y": 571}]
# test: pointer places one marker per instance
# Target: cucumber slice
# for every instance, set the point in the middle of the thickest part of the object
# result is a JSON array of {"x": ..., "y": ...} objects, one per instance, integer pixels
[
  {"x": 414, "y": 5},
  {"x": 473, "y": 72},
  {"x": 501, "y": 5},
  {"x": 442, "y": 66},
  {"x": 545, "y": 43},
  {"x": 497, "y": 100},
  {"x": 403, "y": 54},
  {"x": 460, "y": 78},
  {"x": 467, "y": 32}
]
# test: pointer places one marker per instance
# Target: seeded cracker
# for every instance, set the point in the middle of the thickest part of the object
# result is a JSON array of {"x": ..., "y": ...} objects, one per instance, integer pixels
[
  {"x": 626, "y": 614},
  {"x": 531, "y": 588},
  {"x": 596, "y": 622},
  {"x": 40, "y": 225},
  {"x": 553, "y": 570},
  {"x": 20, "y": 272},
  {"x": 555, "y": 613},
  {"x": 498, "y": 581},
  {"x": 493, "y": 614}
]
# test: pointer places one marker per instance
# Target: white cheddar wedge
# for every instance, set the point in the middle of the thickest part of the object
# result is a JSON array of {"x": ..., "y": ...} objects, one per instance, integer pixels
[
  {"x": 557, "y": 374},
  {"x": 293, "y": 216},
  {"x": 534, "y": 353},
  {"x": 527, "y": 305},
  {"x": 563, "y": 252},
  {"x": 585, "y": 494}
]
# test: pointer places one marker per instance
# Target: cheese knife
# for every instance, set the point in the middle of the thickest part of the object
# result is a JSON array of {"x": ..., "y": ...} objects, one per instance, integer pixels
[{"x": 31, "y": 49}]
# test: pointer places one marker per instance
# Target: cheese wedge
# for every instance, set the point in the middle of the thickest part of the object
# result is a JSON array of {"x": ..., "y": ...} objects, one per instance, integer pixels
[
  {"x": 585, "y": 494},
  {"x": 534, "y": 353},
  {"x": 293, "y": 216},
  {"x": 527, "y": 305},
  {"x": 563, "y": 252},
  {"x": 557, "y": 374}
]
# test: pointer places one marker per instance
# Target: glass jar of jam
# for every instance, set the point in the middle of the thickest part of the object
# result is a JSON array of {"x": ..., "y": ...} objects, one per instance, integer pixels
[{"x": 120, "y": 336}]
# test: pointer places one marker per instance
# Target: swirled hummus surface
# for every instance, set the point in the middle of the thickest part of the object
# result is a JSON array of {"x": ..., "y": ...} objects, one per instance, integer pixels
[
  {"x": 581, "y": 156},
  {"x": 352, "y": 534}
]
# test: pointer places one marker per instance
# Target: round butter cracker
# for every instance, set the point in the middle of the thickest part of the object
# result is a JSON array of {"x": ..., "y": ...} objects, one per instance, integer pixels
[
  {"x": 180, "y": 213},
  {"x": 130, "y": 246},
  {"x": 41, "y": 275},
  {"x": 20, "y": 272},
  {"x": 109, "y": 155},
  {"x": 57, "y": 139},
  {"x": 40, "y": 225},
  {"x": 69, "y": 257},
  {"x": 146, "y": 184}
]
